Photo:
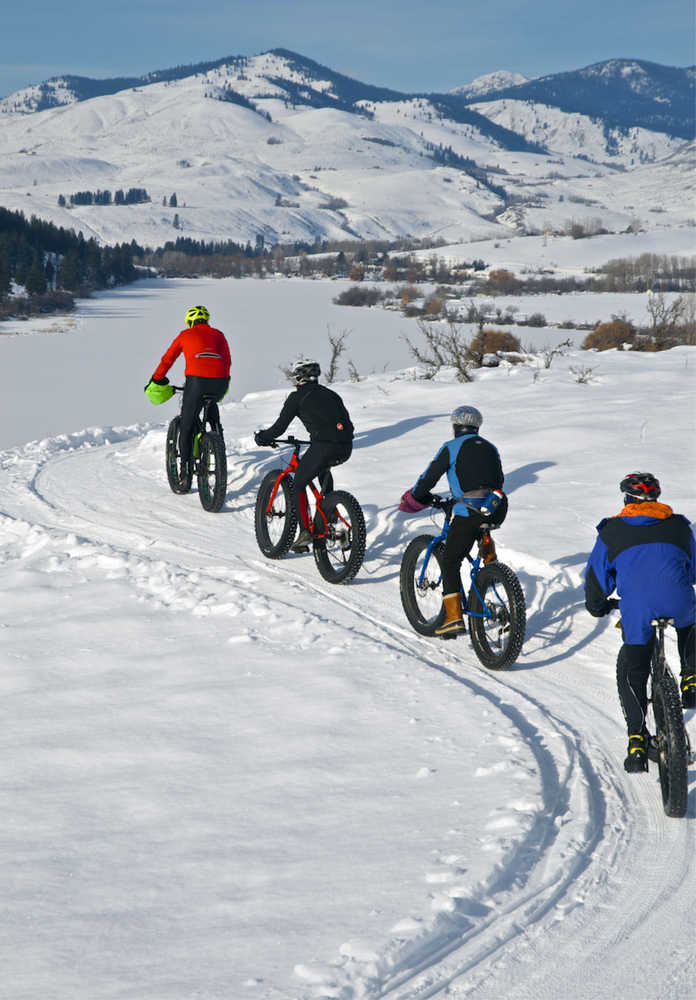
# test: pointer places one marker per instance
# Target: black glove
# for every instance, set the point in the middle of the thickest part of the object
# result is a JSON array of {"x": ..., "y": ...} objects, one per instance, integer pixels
[
  {"x": 262, "y": 439},
  {"x": 601, "y": 610}
]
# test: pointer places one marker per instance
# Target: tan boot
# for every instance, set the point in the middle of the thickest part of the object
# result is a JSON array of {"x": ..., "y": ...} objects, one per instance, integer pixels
[{"x": 453, "y": 625}]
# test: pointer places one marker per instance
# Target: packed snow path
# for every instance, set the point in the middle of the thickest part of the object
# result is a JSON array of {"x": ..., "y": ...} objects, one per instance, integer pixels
[{"x": 225, "y": 778}]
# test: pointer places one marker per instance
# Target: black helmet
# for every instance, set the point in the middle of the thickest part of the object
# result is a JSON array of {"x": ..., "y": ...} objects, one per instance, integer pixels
[
  {"x": 638, "y": 487},
  {"x": 302, "y": 371}
]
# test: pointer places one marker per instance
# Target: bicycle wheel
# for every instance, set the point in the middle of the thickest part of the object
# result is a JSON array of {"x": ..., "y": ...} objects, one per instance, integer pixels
[
  {"x": 497, "y": 636},
  {"x": 671, "y": 745},
  {"x": 173, "y": 460},
  {"x": 212, "y": 471},
  {"x": 339, "y": 555},
  {"x": 422, "y": 599},
  {"x": 275, "y": 527}
]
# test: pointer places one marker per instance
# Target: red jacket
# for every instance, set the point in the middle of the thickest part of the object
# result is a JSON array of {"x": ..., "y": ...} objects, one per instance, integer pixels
[{"x": 205, "y": 349}]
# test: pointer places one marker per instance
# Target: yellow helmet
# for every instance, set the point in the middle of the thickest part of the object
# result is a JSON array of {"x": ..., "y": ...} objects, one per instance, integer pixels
[{"x": 197, "y": 314}]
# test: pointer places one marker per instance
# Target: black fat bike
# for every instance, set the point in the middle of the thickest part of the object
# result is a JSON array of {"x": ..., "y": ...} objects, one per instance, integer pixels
[
  {"x": 208, "y": 456},
  {"x": 670, "y": 744}
]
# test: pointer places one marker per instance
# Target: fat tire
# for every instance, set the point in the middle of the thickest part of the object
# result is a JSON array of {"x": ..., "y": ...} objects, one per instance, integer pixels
[
  {"x": 334, "y": 565},
  {"x": 497, "y": 577},
  {"x": 212, "y": 490},
  {"x": 275, "y": 549},
  {"x": 671, "y": 739},
  {"x": 410, "y": 566},
  {"x": 173, "y": 460}
]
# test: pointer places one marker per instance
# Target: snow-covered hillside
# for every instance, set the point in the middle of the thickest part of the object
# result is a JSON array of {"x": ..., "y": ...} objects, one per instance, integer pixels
[
  {"x": 280, "y": 147},
  {"x": 224, "y": 778}
]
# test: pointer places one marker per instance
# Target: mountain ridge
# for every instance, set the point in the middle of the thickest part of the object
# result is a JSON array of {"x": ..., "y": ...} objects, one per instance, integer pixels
[{"x": 280, "y": 147}]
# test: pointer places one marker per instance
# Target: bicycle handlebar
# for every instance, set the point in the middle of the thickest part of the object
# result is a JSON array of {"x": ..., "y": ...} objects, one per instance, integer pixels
[{"x": 289, "y": 440}]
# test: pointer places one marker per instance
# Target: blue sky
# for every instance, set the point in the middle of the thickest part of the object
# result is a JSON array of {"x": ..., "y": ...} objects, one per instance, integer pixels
[{"x": 408, "y": 45}]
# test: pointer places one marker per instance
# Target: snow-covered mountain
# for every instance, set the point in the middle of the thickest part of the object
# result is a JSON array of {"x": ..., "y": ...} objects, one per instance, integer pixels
[
  {"x": 281, "y": 147},
  {"x": 489, "y": 83}
]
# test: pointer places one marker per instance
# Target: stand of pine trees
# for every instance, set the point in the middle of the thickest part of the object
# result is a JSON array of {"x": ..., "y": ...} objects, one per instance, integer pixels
[{"x": 53, "y": 265}]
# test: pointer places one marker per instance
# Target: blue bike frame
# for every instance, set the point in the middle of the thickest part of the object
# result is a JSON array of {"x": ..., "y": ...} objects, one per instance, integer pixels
[{"x": 474, "y": 561}]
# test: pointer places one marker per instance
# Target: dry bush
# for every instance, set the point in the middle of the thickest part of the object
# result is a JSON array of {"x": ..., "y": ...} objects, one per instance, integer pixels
[
  {"x": 610, "y": 335},
  {"x": 489, "y": 341}
]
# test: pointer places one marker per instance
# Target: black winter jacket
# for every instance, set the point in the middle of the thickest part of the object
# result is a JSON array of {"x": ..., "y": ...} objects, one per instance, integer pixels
[{"x": 320, "y": 409}]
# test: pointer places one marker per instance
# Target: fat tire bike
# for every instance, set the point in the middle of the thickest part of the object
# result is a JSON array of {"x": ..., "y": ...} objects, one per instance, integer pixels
[
  {"x": 337, "y": 525},
  {"x": 495, "y": 605},
  {"x": 670, "y": 747},
  {"x": 208, "y": 456}
]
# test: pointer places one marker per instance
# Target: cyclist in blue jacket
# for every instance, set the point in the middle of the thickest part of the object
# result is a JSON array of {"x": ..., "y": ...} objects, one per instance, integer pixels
[
  {"x": 647, "y": 554},
  {"x": 473, "y": 469}
]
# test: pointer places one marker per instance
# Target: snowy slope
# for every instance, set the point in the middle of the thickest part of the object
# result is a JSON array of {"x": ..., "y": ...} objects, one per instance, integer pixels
[
  {"x": 336, "y": 159},
  {"x": 224, "y": 778}
]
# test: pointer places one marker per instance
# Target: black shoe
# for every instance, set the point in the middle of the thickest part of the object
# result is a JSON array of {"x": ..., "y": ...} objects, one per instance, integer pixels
[
  {"x": 651, "y": 748},
  {"x": 688, "y": 691},
  {"x": 637, "y": 759},
  {"x": 303, "y": 541}
]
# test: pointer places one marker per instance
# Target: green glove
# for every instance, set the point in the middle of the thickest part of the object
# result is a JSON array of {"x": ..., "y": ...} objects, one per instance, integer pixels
[{"x": 158, "y": 394}]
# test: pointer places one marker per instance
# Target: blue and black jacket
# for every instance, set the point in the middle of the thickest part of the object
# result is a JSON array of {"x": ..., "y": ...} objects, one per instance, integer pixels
[
  {"x": 648, "y": 555},
  {"x": 471, "y": 464}
]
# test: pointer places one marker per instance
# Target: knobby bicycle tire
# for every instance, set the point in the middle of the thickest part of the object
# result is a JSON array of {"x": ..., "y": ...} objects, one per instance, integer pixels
[
  {"x": 671, "y": 739},
  {"x": 275, "y": 530},
  {"x": 339, "y": 555},
  {"x": 497, "y": 596},
  {"x": 422, "y": 604},
  {"x": 212, "y": 471},
  {"x": 173, "y": 460}
]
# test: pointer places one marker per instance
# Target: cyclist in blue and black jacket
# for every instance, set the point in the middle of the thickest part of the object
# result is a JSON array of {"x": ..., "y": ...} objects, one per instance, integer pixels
[
  {"x": 473, "y": 469},
  {"x": 647, "y": 554}
]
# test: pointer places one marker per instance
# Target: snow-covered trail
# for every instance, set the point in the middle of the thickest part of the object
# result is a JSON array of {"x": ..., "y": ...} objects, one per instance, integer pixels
[{"x": 334, "y": 749}]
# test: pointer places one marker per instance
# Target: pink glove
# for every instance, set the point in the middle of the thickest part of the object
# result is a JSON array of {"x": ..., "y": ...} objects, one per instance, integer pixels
[{"x": 410, "y": 506}]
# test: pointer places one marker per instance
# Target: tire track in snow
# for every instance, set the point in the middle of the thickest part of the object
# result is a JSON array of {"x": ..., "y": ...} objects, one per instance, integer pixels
[{"x": 565, "y": 852}]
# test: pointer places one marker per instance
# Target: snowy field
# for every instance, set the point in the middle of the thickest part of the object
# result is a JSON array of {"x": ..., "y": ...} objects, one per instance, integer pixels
[{"x": 223, "y": 778}]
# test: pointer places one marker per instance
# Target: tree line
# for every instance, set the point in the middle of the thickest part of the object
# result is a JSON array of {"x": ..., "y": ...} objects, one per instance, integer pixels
[
  {"x": 133, "y": 196},
  {"x": 52, "y": 264}
]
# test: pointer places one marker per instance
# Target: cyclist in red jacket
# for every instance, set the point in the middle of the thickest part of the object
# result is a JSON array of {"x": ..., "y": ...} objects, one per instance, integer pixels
[{"x": 207, "y": 372}]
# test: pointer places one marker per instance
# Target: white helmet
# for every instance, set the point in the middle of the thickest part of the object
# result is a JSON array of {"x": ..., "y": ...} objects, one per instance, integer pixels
[
  {"x": 466, "y": 416},
  {"x": 304, "y": 370}
]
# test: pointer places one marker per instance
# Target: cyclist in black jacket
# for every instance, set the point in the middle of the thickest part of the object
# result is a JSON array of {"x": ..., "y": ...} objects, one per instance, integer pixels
[{"x": 325, "y": 417}]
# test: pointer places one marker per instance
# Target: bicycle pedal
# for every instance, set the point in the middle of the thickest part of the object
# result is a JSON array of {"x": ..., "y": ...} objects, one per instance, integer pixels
[{"x": 300, "y": 549}]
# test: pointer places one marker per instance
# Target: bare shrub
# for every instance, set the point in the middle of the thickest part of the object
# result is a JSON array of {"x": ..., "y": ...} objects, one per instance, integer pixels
[
  {"x": 337, "y": 343},
  {"x": 443, "y": 349},
  {"x": 581, "y": 373},
  {"x": 547, "y": 353},
  {"x": 358, "y": 295}
]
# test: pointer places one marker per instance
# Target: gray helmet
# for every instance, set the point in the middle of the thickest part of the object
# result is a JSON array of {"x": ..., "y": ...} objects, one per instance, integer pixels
[
  {"x": 303, "y": 370},
  {"x": 466, "y": 416}
]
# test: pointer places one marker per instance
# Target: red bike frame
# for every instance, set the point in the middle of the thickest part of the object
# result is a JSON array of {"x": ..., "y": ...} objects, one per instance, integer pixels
[{"x": 303, "y": 502}]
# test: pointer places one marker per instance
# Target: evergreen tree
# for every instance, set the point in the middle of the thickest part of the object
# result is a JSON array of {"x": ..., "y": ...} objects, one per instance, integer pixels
[{"x": 35, "y": 282}]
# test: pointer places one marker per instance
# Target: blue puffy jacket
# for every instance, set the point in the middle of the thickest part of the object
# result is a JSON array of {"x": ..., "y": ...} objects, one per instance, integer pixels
[{"x": 648, "y": 555}]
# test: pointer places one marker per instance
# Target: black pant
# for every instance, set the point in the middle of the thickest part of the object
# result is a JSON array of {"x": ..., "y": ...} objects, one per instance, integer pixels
[
  {"x": 316, "y": 463},
  {"x": 633, "y": 670},
  {"x": 462, "y": 534},
  {"x": 195, "y": 388}
]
